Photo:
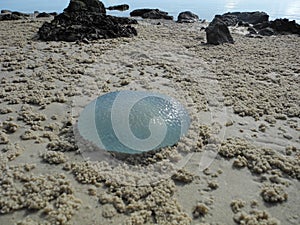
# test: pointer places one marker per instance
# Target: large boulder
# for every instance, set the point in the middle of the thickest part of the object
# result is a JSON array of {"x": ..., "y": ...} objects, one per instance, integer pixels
[
  {"x": 140, "y": 12},
  {"x": 217, "y": 32},
  {"x": 263, "y": 25},
  {"x": 233, "y": 18},
  {"x": 8, "y": 15},
  {"x": 122, "y": 7},
  {"x": 249, "y": 17},
  {"x": 268, "y": 31},
  {"x": 229, "y": 20},
  {"x": 278, "y": 26},
  {"x": 151, "y": 14},
  {"x": 86, "y": 25},
  {"x": 187, "y": 17},
  {"x": 5, "y": 11},
  {"x": 157, "y": 14},
  {"x": 91, "y": 6},
  {"x": 53, "y": 13},
  {"x": 285, "y": 26},
  {"x": 43, "y": 14},
  {"x": 24, "y": 15}
]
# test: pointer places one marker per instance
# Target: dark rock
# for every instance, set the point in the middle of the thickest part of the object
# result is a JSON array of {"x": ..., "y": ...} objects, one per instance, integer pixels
[
  {"x": 249, "y": 17},
  {"x": 36, "y": 12},
  {"x": 278, "y": 26},
  {"x": 20, "y": 14},
  {"x": 187, "y": 17},
  {"x": 43, "y": 14},
  {"x": 85, "y": 25},
  {"x": 268, "y": 31},
  {"x": 140, "y": 12},
  {"x": 229, "y": 20},
  {"x": 53, "y": 13},
  {"x": 122, "y": 7},
  {"x": 285, "y": 26},
  {"x": 218, "y": 33},
  {"x": 151, "y": 14},
  {"x": 263, "y": 25},
  {"x": 5, "y": 11},
  {"x": 123, "y": 20},
  {"x": 91, "y": 6},
  {"x": 157, "y": 14},
  {"x": 244, "y": 18},
  {"x": 8, "y": 16},
  {"x": 243, "y": 24},
  {"x": 252, "y": 30}
]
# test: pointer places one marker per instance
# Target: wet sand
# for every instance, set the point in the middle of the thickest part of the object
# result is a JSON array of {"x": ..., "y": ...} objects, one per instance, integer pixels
[{"x": 243, "y": 100}]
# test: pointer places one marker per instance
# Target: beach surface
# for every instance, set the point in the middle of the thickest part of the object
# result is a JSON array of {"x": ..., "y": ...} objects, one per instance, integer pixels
[{"x": 241, "y": 158}]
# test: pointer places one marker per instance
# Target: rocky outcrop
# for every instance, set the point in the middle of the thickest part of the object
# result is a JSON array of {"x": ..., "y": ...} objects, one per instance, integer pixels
[
  {"x": 187, "y": 17},
  {"x": 268, "y": 31},
  {"x": 258, "y": 23},
  {"x": 43, "y": 14},
  {"x": 140, "y": 12},
  {"x": 86, "y": 20},
  {"x": 89, "y": 6},
  {"x": 278, "y": 26},
  {"x": 151, "y": 14},
  {"x": 285, "y": 26},
  {"x": 229, "y": 20},
  {"x": 6, "y": 11},
  {"x": 244, "y": 18},
  {"x": 122, "y": 7},
  {"x": 8, "y": 15},
  {"x": 249, "y": 17},
  {"x": 53, "y": 13},
  {"x": 24, "y": 15},
  {"x": 217, "y": 32}
]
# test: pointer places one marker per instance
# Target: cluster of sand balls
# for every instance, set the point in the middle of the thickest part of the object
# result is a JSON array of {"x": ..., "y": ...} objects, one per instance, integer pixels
[
  {"x": 52, "y": 194},
  {"x": 270, "y": 166},
  {"x": 259, "y": 160},
  {"x": 274, "y": 193},
  {"x": 137, "y": 201},
  {"x": 255, "y": 217}
]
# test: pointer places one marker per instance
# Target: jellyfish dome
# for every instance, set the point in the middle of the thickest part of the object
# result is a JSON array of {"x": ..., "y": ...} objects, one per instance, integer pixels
[{"x": 133, "y": 122}]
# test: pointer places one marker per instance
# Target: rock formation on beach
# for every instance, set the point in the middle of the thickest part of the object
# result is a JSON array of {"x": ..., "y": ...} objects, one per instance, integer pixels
[
  {"x": 259, "y": 24},
  {"x": 278, "y": 26},
  {"x": 232, "y": 18},
  {"x": 151, "y": 14},
  {"x": 122, "y": 7},
  {"x": 217, "y": 32},
  {"x": 5, "y": 11},
  {"x": 43, "y": 14},
  {"x": 90, "y": 6},
  {"x": 86, "y": 19},
  {"x": 187, "y": 17},
  {"x": 8, "y": 15}
]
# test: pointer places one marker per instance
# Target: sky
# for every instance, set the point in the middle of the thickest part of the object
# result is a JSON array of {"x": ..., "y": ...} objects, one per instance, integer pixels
[
  {"x": 29, "y": 6},
  {"x": 205, "y": 9}
]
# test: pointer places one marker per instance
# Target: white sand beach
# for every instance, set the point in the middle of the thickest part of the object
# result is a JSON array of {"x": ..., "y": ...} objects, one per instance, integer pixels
[{"x": 243, "y": 98}]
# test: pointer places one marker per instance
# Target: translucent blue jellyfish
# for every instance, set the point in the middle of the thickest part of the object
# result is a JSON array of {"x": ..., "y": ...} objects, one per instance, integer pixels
[{"x": 133, "y": 121}]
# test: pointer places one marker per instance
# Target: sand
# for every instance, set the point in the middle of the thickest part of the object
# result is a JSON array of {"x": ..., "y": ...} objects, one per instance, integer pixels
[{"x": 243, "y": 100}]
